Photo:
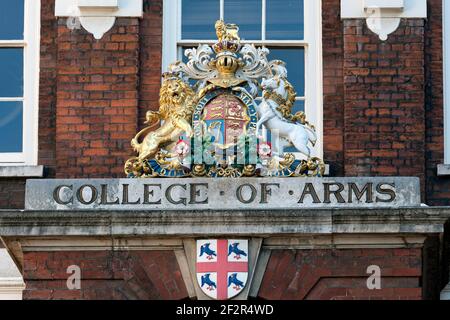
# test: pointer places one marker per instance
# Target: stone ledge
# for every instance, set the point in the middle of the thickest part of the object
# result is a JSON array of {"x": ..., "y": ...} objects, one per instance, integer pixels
[
  {"x": 21, "y": 171},
  {"x": 20, "y": 223},
  {"x": 11, "y": 282},
  {"x": 9, "y": 274},
  {"x": 443, "y": 170}
]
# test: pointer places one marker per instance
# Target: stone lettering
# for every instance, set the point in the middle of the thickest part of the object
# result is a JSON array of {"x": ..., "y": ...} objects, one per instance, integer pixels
[
  {"x": 381, "y": 189},
  {"x": 239, "y": 194},
  {"x": 222, "y": 193},
  {"x": 125, "y": 198},
  {"x": 151, "y": 193},
  {"x": 104, "y": 196},
  {"x": 57, "y": 196},
  {"x": 309, "y": 190},
  {"x": 337, "y": 193},
  {"x": 80, "y": 194},
  {"x": 367, "y": 189},
  {"x": 169, "y": 195},
  {"x": 196, "y": 193},
  {"x": 267, "y": 191}
]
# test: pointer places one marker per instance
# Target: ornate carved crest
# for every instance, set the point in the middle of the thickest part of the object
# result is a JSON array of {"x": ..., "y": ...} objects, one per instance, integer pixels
[{"x": 210, "y": 117}]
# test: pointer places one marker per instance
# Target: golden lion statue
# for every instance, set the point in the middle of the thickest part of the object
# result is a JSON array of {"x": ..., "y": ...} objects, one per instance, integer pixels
[
  {"x": 176, "y": 105},
  {"x": 227, "y": 32}
]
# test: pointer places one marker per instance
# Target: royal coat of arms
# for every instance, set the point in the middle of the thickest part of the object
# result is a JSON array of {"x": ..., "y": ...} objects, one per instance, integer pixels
[
  {"x": 222, "y": 267},
  {"x": 219, "y": 114}
]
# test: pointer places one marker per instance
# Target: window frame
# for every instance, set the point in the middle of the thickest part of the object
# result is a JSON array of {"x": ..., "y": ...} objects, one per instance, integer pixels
[
  {"x": 312, "y": 43},
  {"x": 30, "y": 99}
]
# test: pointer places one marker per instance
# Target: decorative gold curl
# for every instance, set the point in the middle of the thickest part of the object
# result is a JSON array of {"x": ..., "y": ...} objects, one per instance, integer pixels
[{"x": 138, "y": 168}]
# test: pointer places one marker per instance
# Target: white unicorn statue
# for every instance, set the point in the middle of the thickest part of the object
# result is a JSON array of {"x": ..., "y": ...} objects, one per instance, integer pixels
[{"x": 274, "y": 114}]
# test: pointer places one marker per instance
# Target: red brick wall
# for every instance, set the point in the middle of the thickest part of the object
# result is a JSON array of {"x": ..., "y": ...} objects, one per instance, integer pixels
[
  {"x": 438, "y": 188},
  {"x": 117, "y": 275},
  {"x": 290, "y": 274},
  {"x": 97, "y": 100},
  {"x": 341, "y": 274},
  {"x": 333, "y": 86},
  {"x": 150, "y": 36},
  {"x": 47, "y": 87},
  {"x": 384, "y": 101},
  {"x": 12, "y": 193}
]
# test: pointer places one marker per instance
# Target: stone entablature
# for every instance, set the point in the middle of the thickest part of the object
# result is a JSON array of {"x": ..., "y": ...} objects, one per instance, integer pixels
[
  {"x": 345, "y": 241},
  {"x": 194, "y": 223},
  {"x": 222, "y": 193}
]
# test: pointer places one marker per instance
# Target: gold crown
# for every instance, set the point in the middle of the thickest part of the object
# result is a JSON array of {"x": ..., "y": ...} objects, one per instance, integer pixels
[
  {"x": 228, "y": 37},
  {"x": 226, "y": 46},
  {"x": 170, "y": 76}
]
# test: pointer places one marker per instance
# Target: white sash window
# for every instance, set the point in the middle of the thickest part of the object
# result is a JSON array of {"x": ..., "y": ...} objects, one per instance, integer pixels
[
  {"x": 291, "y": 29},
  {"x": 19, "y": 77}
]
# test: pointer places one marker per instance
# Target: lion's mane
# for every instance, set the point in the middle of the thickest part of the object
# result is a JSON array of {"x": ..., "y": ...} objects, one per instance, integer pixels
[{"x": 180, "y": 107}]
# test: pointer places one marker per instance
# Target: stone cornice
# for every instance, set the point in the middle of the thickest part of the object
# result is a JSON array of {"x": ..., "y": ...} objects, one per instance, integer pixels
[{"x": 21, "y": 223}]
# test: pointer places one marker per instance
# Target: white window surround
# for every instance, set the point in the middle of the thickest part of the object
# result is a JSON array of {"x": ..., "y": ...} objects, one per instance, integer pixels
[
  {"x": 444, "y": 169},
  {"x": 313, "y": 55},
  {"x": 31, "y": 45}
]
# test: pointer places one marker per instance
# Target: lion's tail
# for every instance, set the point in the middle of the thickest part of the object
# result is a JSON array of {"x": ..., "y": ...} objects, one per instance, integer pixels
[
  {"x": 136, "y": 145},
  {"x": 135, "y": 142}
]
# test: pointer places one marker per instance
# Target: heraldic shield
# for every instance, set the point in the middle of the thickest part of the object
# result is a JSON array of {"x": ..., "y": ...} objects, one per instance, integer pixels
[{"x": 222, "y": 267}]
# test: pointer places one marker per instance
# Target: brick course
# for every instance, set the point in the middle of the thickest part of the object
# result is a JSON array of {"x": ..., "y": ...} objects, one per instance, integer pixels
[
  {"x": 97, "y": 100},
  {"x": 438, "y": 188},
  {"x": 117, "y": 275},
  {"x": 341, "y": 274},
  {"x": 384, "y": 101},
  {"x": 150, "y": 35},
  {"x": 333, "y": 86}
]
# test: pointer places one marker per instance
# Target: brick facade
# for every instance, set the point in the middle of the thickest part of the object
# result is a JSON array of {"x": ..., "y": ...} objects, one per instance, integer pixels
[
  {"x": 438, "y": 188},
  {"x": 293, "y": 275},
  {"x": 342, "y": 274},
  {"x": 382, "y": 100},
  {"x": 116, "y": 275},
  {"x": 333, "y": 86},
  {"x": 97, "y": 100},
  {"x": 383, "y": 116}
]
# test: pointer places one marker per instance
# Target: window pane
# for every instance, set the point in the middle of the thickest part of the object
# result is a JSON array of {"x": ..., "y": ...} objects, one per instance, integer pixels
[
  {"x": 298, "y": 106},
  {"x": 11, "y": 19},
  {"x": 285, "y": 20},
  {"x": 11, "y": 72},
  {"x": 295, "y": 64},
  {"x": 11, "y": 126},
  {"x": 247, "y": 14},
  {"x": 199, "y": 18}
]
